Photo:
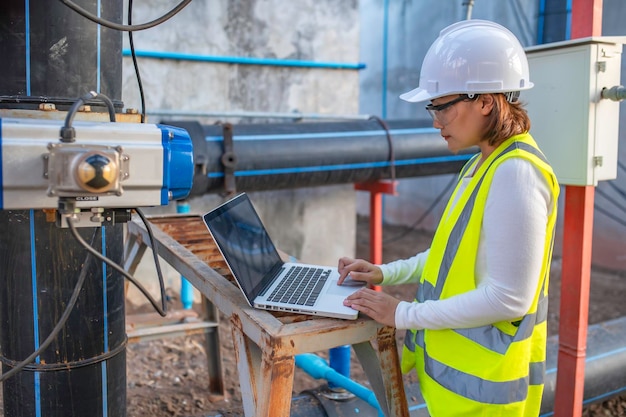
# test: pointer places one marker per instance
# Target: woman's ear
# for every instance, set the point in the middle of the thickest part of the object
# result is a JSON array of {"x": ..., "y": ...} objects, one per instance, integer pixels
[{"x": 487, "y": 101}]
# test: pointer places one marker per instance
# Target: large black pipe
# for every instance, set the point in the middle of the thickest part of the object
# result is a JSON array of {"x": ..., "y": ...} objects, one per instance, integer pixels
[
  {"x": 52, "y": 55},
  {"x": 288, "y": 155}
]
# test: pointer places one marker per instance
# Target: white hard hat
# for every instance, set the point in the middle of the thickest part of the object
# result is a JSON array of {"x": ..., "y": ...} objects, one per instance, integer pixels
[{"x": 472, "y": 57}]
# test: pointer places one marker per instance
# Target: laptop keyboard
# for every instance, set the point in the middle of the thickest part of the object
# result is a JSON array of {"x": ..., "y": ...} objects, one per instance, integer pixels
[{"x": 301, "y": 286}]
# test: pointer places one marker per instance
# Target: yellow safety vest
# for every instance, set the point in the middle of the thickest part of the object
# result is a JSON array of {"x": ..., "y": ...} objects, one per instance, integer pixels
[{"x": 493, "y": 370}]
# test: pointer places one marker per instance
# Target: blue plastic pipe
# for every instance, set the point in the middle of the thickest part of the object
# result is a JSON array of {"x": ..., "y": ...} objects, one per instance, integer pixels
[
  {"x": 186, "y": 289},
  {"x": 318, "y": 368},
  {"x": 339, "y": 359},
  {"x": 176, "y": 56}
]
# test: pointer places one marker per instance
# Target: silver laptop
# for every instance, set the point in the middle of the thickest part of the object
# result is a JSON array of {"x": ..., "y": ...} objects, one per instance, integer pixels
[{"x": 265, "y": 280}]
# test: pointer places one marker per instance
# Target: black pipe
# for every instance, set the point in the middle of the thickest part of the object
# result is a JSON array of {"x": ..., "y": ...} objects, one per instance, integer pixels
[
  {"x": 61, "y": 57},
  {"x": 278, "y": 156},
  {"x": 83, "y": 372},
  {"x": 51, "y": 56}
]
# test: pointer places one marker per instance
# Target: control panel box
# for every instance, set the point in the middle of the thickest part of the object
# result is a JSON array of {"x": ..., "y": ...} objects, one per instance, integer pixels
[{"x": 575, "y": 127}]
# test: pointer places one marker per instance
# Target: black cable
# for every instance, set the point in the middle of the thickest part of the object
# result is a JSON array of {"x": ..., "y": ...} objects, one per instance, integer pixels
[
  {"x": 610, "y": 215},
  {"x": 611, "y": 199},
  {"x": 622, "y": 166},
  {"x": 68, "y": 133},
  {"x": 124, "y": 28},
  {"x": 62, "y": 320},
  {"x": 155, "y": 255},
  {"x": 425, "y": 214},
  {"x": 621, "y": 192},
  {"x": 89, "y": 248},
  {"x": 134, "y": 56},
  {"x": 392, "y": 157}
]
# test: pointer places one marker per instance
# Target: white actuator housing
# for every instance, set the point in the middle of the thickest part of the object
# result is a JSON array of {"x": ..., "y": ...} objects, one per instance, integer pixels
[{"x": 108, "y": 165}]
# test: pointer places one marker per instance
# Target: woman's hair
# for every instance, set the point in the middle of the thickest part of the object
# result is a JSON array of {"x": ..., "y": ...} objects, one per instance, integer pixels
[{"x": 505, "y": 120}]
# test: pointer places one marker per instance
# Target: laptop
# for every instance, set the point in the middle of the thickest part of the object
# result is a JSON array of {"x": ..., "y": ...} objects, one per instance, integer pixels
[{"x": 267, "y": 282}]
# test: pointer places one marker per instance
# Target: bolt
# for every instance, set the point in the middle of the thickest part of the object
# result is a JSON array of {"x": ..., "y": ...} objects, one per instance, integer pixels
[{"x": 47, "y": 106}]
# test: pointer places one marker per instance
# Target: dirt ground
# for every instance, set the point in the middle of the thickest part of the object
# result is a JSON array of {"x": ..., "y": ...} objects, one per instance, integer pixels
[{"x": 169, "y": 377}]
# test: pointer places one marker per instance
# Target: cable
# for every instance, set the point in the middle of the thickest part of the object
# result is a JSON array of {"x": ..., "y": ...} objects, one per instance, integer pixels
[
  {"x": 155, "y": 254},
  {"x": 622, "y": 166},
  {"x": 611, "y": 199},
  {"x": 134, "y": 56},
  {"x": 62, "y": 320},
  {"x": 392, "y": 158},
  {"x": 621, "y": 192},
  {"x": 161, "y": 310},
  {"x": 68, "y": 133},
  {"x": 610, "y": 215},
  {"x": 124, "y": 28},
  {"x": 426, "y": 213}
]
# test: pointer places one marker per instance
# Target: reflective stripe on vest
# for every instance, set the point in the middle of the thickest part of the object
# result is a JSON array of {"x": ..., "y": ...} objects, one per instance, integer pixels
[{"x": 490, "y": 337}]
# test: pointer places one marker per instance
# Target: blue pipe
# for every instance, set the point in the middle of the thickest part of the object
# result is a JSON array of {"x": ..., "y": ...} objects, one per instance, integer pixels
[
  {"x": 541, "y": 22},
  {"x": 318, "y": 368},
  {"x": 339, "y": 360},
  {"x": 186, "y": 289},
  {"x": 244, "y": 60}
]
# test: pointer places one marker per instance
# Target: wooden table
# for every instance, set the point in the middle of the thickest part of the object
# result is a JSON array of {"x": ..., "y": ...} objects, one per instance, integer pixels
[{"x": 266, "y": 343}]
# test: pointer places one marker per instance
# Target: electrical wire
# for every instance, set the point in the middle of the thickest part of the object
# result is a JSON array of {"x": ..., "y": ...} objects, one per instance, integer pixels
[
  {"x": 610, "y": 215},
  {"x": 621, "y": 192},
  {"x": 392, "y": 157},
  {"x": 125, "y": 28},
  {"x": 155, "y": 254},
  {"x": 62, "y": 320},
  {"x": 162, "y": 310},
  {"x": 610, "y": 199},
  {"x": 67, "y": 132},
  {"x": 412, "y": 227},
  {"x": 135, "y": 65}
]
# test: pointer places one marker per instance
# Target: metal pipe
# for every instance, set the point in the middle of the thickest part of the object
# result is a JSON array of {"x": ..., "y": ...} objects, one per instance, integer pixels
[
  {"x": 615, "y": 93},
  {"x": 279, "y": 156},
  {"x": 470, "y": 6},
  {"x": 244, "y": 60}
]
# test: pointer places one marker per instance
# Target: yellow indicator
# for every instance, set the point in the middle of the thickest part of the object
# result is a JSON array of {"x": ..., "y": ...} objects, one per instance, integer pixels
[{"x": 97, "y": 173}]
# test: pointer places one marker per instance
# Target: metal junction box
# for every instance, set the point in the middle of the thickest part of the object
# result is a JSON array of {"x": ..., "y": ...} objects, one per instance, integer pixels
[{"x": 574, "y": 126}]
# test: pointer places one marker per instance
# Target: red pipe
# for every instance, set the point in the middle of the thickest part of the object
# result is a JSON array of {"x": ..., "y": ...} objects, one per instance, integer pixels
[
  {"x": 576, "y": 270},
  {"x": 376, "y": 189}
]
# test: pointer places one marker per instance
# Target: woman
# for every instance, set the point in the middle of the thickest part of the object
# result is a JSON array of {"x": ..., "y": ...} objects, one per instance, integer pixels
[{"x": 476, "y": 331}]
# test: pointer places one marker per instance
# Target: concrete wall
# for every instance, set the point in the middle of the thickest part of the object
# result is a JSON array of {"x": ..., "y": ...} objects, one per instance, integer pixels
[{"x": 303, "y": 222}]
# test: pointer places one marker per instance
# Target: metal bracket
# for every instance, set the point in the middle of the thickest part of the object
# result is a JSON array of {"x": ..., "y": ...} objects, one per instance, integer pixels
[{"x": 229, "y": 160}]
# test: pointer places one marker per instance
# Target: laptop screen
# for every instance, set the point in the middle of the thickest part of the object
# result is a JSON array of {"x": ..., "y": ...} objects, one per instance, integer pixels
[{"x": 244, "y": 243}]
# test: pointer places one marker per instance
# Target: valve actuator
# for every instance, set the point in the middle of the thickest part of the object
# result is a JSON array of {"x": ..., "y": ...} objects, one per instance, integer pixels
[{"x": 108, "y": 165}]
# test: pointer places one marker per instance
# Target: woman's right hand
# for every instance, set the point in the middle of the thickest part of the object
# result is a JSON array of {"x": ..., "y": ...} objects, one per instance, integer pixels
[{"x": 359, "y": 270}]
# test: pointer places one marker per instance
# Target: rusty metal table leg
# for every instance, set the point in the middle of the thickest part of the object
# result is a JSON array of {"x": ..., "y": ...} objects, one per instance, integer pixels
[
  {"x": 387, "y": 385},
  {"x": 265, "y": 376}
]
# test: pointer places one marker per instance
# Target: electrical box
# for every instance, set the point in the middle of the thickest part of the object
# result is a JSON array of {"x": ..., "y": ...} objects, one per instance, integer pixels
[{"x": 574, "y": 126}]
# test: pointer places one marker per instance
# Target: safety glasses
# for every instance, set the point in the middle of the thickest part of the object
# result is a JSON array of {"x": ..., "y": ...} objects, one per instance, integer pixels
[{"x": 446, "y": 112}]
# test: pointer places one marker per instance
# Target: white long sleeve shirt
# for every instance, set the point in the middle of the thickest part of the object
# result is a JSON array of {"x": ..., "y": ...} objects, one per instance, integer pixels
[{"x": 509, "y": 258}]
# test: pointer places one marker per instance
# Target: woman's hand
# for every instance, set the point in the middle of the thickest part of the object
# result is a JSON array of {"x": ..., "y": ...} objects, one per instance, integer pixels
[
  {"x": 376, "y": 304},
  {"x": 359, "y": 270}
]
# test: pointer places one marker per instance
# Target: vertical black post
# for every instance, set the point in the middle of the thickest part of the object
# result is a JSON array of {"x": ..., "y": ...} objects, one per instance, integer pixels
[{"x": 53, "y": 55}]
